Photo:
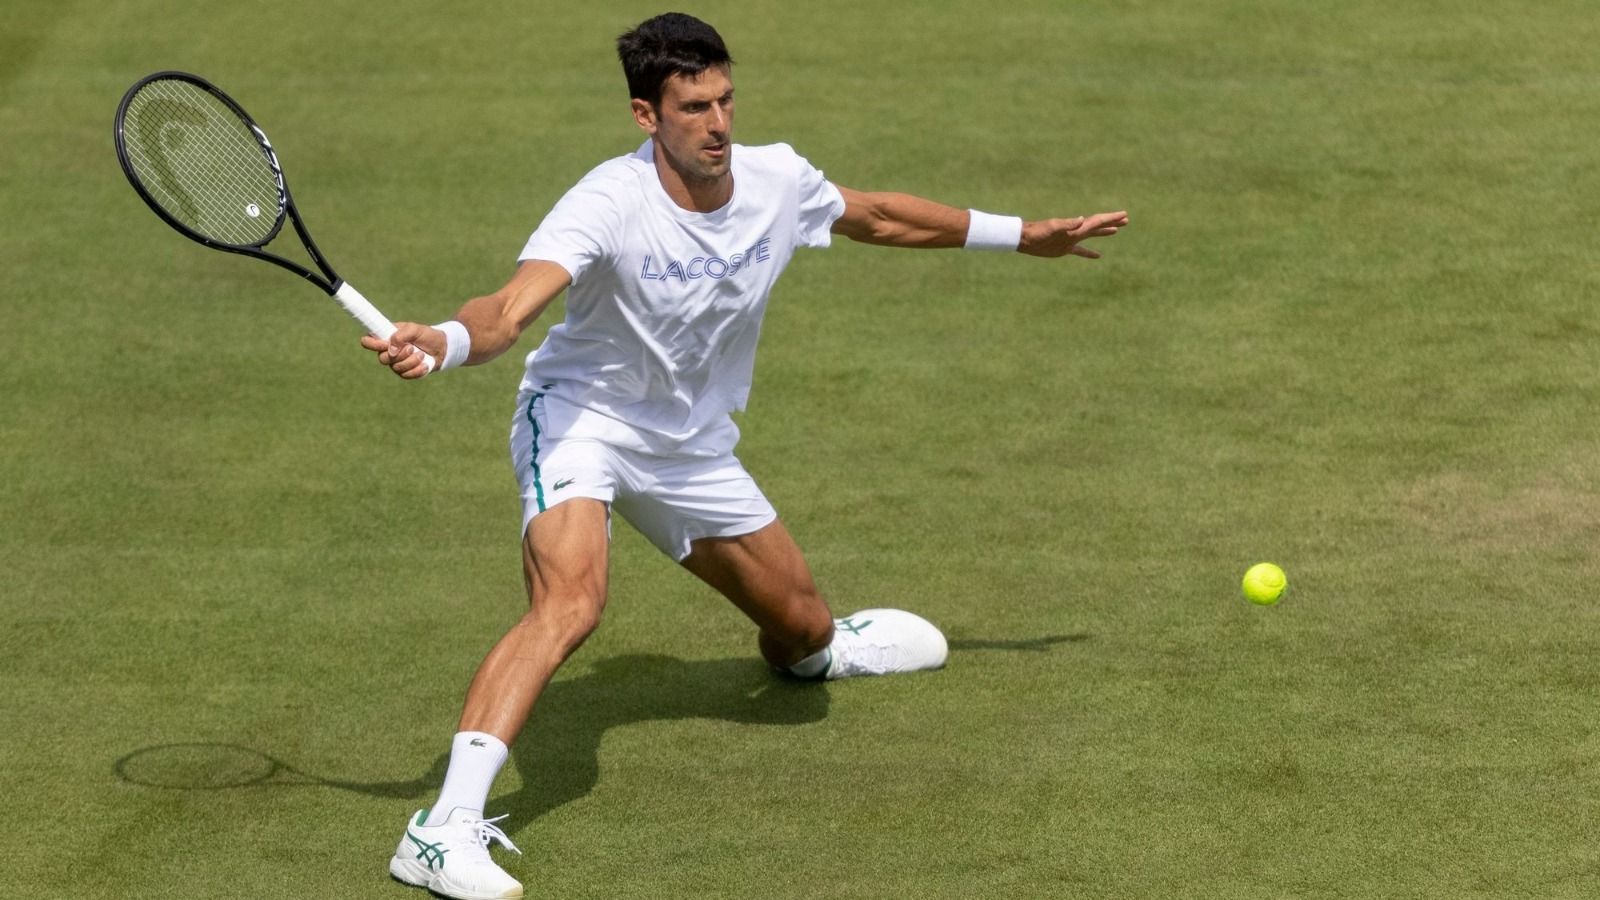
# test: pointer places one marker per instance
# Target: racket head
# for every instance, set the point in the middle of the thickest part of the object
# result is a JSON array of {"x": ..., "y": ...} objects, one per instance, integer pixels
[{"x": 200, "y": 162}]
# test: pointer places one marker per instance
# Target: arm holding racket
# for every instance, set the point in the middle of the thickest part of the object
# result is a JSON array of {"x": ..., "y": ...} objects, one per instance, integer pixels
[{"x": 494, "y": 322}]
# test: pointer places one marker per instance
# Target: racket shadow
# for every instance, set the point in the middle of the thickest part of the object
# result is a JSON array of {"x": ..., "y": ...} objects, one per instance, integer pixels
[
  {"x": 557, "y": 755},
  {"x": 219, "y": 766}
]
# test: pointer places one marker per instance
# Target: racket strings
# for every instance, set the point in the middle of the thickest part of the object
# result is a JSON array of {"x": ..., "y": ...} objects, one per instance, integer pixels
[{"x": 201, "y": 163}]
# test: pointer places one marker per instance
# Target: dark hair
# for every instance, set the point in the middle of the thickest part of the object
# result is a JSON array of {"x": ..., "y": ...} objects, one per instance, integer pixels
[{"x": 667, "y": 45}]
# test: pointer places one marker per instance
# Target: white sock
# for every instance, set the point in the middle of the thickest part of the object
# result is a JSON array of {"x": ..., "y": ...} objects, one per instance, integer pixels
[
  {"x": 813, "y": 666},
  {"x": 475, "y": 760}
]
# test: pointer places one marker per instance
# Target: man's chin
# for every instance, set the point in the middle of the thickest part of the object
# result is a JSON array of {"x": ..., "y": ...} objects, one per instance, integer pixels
[
  {"x": 708, "y": 174},
  {"x": 701, "y": 168},
  {"x": 718, "y": 166}
]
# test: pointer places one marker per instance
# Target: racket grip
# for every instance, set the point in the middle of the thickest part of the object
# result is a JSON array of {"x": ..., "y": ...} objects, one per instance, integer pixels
[{"x": 375, "y": 322}]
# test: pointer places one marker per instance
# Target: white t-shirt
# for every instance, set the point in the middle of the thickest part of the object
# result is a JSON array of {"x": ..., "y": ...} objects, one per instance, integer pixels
[{"x": 665, "y": 307}]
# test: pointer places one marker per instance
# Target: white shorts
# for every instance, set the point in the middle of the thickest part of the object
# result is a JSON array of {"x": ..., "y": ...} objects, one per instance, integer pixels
[{"x": 672, "y": 500}]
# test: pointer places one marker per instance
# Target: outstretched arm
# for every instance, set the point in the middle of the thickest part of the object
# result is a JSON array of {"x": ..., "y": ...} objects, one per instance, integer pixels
[
  {"x": 491, "y": 323},
  {"x": 901, "y": 220}
]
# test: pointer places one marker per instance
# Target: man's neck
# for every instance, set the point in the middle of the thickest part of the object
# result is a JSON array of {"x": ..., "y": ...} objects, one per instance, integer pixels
[{"x": 694, "y": 194}]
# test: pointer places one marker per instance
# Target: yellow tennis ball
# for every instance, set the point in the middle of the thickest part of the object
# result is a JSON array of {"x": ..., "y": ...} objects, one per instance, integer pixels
[{"x": 1264, "y": 584}]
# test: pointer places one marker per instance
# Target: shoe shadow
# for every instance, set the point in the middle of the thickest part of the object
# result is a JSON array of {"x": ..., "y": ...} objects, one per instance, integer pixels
[
  {"x": 1035, "y": 645},
  {"x": 558, "y": 753}
]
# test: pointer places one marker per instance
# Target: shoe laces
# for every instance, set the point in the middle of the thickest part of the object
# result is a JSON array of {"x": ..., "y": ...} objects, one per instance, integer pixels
[
  {"x": 484, "y": 831},
  {"x": 863, "y": 655}
]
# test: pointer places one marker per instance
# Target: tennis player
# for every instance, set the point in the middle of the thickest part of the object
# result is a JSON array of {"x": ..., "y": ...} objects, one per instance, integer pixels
[{"x": 670, "y": 253}]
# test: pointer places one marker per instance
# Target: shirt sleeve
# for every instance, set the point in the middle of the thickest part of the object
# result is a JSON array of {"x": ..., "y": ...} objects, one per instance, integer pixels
[
  {"x": 582, "y": 229},
  {"x": 821, "y": 205}
]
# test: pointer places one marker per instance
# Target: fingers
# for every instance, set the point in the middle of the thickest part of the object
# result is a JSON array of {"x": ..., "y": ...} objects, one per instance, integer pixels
[
  {"x": 1101, "y": 224},
  {"x": 407, "y": 333},
  {"x": 406, "y": 361},
  {"x": 399, "y": 353},
  {"x": 418, "y": 364},
  {"x": 1063, "y": 237},
  {"x": 409, "y": 361}
]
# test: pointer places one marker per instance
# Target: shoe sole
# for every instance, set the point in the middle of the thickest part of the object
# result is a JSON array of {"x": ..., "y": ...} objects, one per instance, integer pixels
[
  {"x": 410, "y": 872},
  {"x": 415, "y": 874}
]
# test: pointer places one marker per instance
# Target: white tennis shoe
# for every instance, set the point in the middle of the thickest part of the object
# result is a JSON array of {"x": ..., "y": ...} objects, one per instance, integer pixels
[
  {"x": 882, "y": 642},
  {"x": 453, "y": 859}
]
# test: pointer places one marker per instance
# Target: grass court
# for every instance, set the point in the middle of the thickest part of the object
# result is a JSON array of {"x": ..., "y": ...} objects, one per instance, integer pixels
[{"x": 245, "y": 574}]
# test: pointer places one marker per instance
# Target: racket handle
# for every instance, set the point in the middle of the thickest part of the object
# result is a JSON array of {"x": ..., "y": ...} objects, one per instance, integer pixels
[{"x": 375, "y": 322}]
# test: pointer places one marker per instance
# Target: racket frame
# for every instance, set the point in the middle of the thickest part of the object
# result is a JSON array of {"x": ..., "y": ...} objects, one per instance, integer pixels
[{"x": 329, "y": 280}]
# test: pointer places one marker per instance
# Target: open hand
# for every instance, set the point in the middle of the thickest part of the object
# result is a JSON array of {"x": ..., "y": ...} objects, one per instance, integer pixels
[{"x": 1062, "y": 237}]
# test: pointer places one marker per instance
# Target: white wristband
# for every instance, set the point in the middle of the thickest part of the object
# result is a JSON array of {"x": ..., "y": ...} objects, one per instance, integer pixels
[
  {"x": 987, "y": 231},
  {"x": 457, "y": 344}
]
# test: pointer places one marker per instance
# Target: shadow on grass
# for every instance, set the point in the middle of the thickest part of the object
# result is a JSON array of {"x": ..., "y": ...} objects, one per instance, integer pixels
[
  {"x": 1035, "y": 645},
  {"x": 557, "y": 754}
]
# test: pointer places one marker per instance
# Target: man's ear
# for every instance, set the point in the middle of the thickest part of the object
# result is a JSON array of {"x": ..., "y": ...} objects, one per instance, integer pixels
[{"x": 645, "y": 115}]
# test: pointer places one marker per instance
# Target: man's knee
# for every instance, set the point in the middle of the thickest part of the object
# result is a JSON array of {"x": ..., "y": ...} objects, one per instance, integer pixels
[
  {"x": 804, "y": 627},
  {"x": 815, "y": 628},
  {"x": 565, "y": 618}
]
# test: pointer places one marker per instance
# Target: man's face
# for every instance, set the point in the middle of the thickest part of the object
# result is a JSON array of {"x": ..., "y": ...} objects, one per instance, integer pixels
[{"x": 693, "y": 125}]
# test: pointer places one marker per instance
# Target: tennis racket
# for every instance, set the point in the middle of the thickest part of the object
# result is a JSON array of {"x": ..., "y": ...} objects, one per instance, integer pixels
[{"x": 207, "y": 169}]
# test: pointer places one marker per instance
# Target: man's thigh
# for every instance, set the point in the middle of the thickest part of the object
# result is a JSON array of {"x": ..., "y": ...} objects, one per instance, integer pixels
[
  {"x": 766, "y": 576},
  {"x": 565, "y": 552}
]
